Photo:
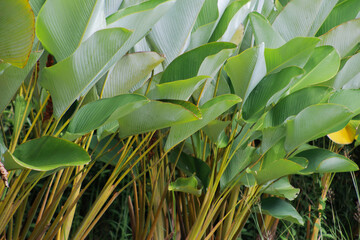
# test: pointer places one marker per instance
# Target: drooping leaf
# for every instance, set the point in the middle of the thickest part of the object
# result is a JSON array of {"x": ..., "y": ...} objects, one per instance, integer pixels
[
  {"x": 325, "y": 161},
  {"x": 190, "y": 64},
  {"x": 246, "y": 70},
  {"x": 209, "y": 110},
  {"x": 264, "y": 32},
  {"x": 11, "y": 78},
  {"x": 17, "y": 31},
  {"x": 322, "y": 65},
  {"x": 349, "y": 76},
  {"x": 46, "y": 153},
  {"x": 229, "y": 28},
  {"x": 315, "y": 121},
  {"x": 281, "y": 209},
  {"x": 80, "y": 71},
  {"x": 293, "y": 53},
  {"x": 128, "y": 71},
  {"x": 157, "y": 115},
  {"x": 171, "y": 33},
  {"x": 302, "y": 18},
  {"x": 343, "y": 37},
  {"x": 63, "y": 24},
  {"x": 186, "y": 185},
  {"x": 178, "y": 90},
  {"x": 95, "y": 114},
  {"x": 267, "y": 91},
  {"x": 282, "y": 188},
  {"x": 294, "y": 103},
  {"x": 344, "y": 11}
]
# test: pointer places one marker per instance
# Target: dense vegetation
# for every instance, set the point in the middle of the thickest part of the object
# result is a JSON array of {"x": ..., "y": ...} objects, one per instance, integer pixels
[{"x": 179, "y": 119}]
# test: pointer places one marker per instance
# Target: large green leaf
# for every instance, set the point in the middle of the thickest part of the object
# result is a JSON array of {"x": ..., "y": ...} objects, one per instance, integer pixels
[
  {"x": 139, "y": 18},
  {"x": 246, "y": 70},
  {"x": 210, "y": 111},
  {"x": 344, "y": 11},
  {"x": 194, "y": 62},
  {"x": 315, "y": 121},
  {"x": 267, "y": 92},
  {"x": 17, "y": 31},
  {"x": 325, "y": 161},
  {"x": 186, "y": 185},
  {"x": 294, "y": 53},
  {"x": 349, "y": 76},
  {"x": 103, "y": 111},
  {"x": 264, "y": 32},
  {"x": 349, "y": 98},
  {"x": 82, "y": 69},
  {"x": 157, "y": 115},
  {"x": 282, "y": 188},
  {"x": 63, "y": 24},
  {"x": 171, "y": 33},
  {"x": 322, "y": 65},
  {"x": 281, "y": 209},
  {"x": 302, "y": 18},
  {"x": 230, "y": 27},
  {"x": 11, "y": 78},
  {"x": 206, "y": 22},
  {"x": 46, "y": 153},
  {"x": 129, "y": 71},
  {"x": 178, "y": 90},
  {"x": 294, "y": 103},
  {"x": 343, "y": 37}
]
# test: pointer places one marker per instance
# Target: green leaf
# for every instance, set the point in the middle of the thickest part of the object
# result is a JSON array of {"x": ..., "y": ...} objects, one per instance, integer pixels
[
  {"x": 282, "y": 188},
  {"x": 171, "y": 33},
  {"x": 46, "y": 153},
  {"x": 349, "y": 76},
  {"x": 80, "y": 71},
  {"x": 63, "y": 24},
  {"x": 344, "y": 11},
  {"x": 281, "y": 209},
  {"x": 129, "y": 71},
  {"x": 322, "y": 65},
  {"x": 206, "y": 22},
  {"x": 192, "y": 166},
  {"x": 215, "y": 130},
  {"x": 264, "y": 32},
  {"x": 139, "y": 18},
  {"x": 17, "y": 31},
  {"x": 190, "y": 64},
  {"x": 12, "y": 77},
  {"x": 349, "y": 98},
  {"x": 20, "y": 113},
  {"x": 210, "y": 110},
  {"x": 246, "y": 70},
  {"x": 229, "y": 28},
  {"x": 186, "y": 185},
  {"x": 157, "y": 115},
  {"x": 325, "y": 161},
  {"x": 343, "y": 37},
  {"x": 313, "y": 122},
  {"x": 302, "y": 18},
  {"x": 179, "y": 90},
  {"x": 293, "y": 53},
  {"x": 98, "y": 113},
  {"x": 268, "y": 91},
  {"x": 294, "y": 103}
]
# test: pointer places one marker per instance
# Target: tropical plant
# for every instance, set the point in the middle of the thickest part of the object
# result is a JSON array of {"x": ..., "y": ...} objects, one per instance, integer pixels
[{"x": 207, "y": 105}]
